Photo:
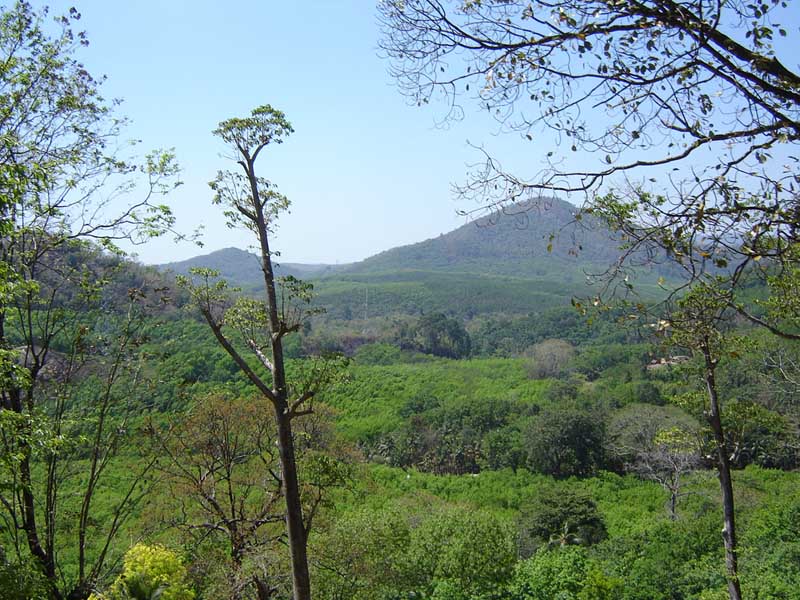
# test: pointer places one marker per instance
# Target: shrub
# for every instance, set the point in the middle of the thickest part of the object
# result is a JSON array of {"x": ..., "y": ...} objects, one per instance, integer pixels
[{"x": 151, "y": 572}]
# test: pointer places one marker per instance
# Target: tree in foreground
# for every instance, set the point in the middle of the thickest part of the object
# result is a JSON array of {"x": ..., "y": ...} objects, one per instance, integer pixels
[
  {"x": 684, "y": 112},
  {"x": 683, "y": 117},
  {"x": 220, "y": 465},
  {"x": 635, "y": 86},
  {"x": 68, "y": 363},
  {"x": 258, "y": 327},
  {"x": 699, "y": 324}
]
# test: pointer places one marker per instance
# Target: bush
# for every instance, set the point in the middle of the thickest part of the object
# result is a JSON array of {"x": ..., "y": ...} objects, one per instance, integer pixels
[
  {"x": 550, "y": 574},
  {"x": 565, "y": 442},
  {"x": 21, "y": 581},
  {"x": 559, "y": 515},
  {"x": 151, "y": 572},
  {"x": 467, "y": 553},
  {"x": 377, "y": 354}
]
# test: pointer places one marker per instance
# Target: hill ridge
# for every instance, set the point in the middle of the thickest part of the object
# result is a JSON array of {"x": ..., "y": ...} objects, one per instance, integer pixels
[{"x": 541, "y": 230}]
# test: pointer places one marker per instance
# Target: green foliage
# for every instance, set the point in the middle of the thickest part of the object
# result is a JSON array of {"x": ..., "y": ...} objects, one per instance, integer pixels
[
  {"x": 753, "y": 432},
  {"x": 559, "y": 516},
  {"x": 151, "y": 573},
  {"x": 594, "y": 360},
  {"x": 513, "y": 245},
  {"x": 506, "y": 335},
  {"x": 447, "y": 438},
  {"x": 406, "y": 550},
  {"x": 473, "y": 552},
  {"x": 67, "y": 196},
  {"x": 771, "y": 567},
  {"x": 782, "y": 306},
  {"x": 633, "y": 430},
  {"x": 377, "y": 354},
  {"x": 564, "y": 442},
  {"x": 758, "y": 435},
  {"x": 363, "y": 555},
  {"x": 443, "y": 536},
  {"x": 669, "y": 560},
  {"x": 377, "y": 395},
  {"x": 550, "y": 574},
  {"x": 264, "y": 126},
  {"x": 46, "y": 175},
  {"x": 503, "y": 447},
  {"x": 564, "y": 573},
  {"x": 22, "y": 581}
]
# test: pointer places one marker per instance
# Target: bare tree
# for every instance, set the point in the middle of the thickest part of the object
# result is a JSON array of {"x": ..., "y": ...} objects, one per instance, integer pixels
[
  {"x": 657, "y": 444},
  {"x": 550, "y": 358},
  {"x": 222, "y": 471},
  {"x": 615, "y": 78},
  {"x": 683, "y": 113}
]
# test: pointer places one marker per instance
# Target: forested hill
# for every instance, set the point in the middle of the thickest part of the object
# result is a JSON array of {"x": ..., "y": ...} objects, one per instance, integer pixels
[
  {"x": 533, "y": 239},
  {"x": 242, "y": 269},
  {"x": 528, "y": 258}
]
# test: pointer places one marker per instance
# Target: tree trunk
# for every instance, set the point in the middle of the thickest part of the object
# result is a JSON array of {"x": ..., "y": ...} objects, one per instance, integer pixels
[
  {"x": 295, "y": 527},
  {"x": 263, "y": 591},
  {"x": 301, "y": 582},
  {"x": 726, "y": 485},
  {"x": 81, "y": 592},
  {"x": 673, "y": 505},
  {"x": 28, "y": 501}
]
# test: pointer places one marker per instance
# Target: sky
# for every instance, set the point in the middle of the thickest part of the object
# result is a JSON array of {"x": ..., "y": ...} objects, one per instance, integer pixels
[{"x": 364, "y": 170}]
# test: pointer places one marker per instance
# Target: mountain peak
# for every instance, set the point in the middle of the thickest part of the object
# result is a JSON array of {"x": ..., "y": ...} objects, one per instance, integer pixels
[
  {"x": 242, "y": 268},
  {"x": 527, "y": 239},
  {"x": 533, "y": 239}
]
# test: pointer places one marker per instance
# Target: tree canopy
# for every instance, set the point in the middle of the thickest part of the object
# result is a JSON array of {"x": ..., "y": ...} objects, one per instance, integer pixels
[
  {"x": 684, "y": 113},
  {"x": 65, "y": 183},
  {"x": 615, "y": 78}
]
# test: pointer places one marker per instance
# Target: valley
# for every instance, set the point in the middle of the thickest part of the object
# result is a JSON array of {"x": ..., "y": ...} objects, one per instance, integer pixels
[{"x": 547, "y": 402}]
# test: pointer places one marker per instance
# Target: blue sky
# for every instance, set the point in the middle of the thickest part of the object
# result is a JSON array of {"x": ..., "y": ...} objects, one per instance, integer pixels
[{"x": 364, "y": 171}]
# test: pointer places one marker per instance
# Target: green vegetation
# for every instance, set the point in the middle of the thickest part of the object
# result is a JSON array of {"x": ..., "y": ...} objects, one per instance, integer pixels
[
  {"x": 150, "y": 572},
  {"x": 556, "y": 471},
  {"x": 448, "y": 430}
]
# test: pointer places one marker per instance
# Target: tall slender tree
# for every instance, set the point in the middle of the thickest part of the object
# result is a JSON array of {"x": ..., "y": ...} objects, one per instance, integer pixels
[
  {"x": 698, "y": 323},
  {"x": 259, "y": 326}
]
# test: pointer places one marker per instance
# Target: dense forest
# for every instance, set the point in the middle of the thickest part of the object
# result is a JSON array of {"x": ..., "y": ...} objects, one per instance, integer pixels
[
  {"x": 538, "y": 405},
  {"x": 578, "y": 467}
]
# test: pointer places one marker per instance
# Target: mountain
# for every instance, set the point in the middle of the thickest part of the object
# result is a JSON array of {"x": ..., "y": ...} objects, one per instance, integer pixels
[
  {"x": 533, "y": 239},
  {"x": 528, "y": 258},
  {"x": 242, "y": 269}
]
